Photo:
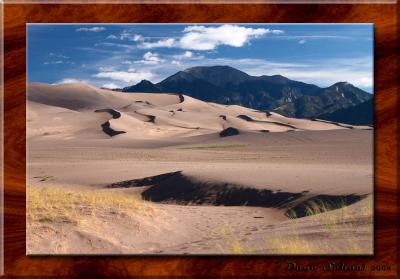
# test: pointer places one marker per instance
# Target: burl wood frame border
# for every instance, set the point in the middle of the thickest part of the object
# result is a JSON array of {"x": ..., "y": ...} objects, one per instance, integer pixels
[{"x": 386, "y": 117}]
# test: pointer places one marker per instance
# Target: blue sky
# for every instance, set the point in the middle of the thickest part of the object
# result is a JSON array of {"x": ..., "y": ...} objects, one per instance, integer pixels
[{"x": 124, "y": 54}]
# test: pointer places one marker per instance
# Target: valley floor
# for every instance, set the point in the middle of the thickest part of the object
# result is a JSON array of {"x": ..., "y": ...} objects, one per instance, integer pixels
[{"x": 76, "y": 204}]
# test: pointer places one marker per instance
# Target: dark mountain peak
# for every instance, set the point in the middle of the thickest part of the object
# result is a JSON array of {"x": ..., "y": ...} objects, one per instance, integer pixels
[
  {"x": 348, "y": 88},
  {"x": 343, "y": 84},
  {"x": 279, "y": 77},
  {"x": 218, "y": 75},
  {"x": 216, "y": 68},
  {"x": 145, "y": 82},
  {"x": 181, "y": 75},
  {"x": 276, "y": 79},
  {"x": 143, "y": 86}
]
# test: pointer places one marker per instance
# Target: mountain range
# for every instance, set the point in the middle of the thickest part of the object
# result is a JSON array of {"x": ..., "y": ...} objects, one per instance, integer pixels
[{"x": 226, "y": 85}]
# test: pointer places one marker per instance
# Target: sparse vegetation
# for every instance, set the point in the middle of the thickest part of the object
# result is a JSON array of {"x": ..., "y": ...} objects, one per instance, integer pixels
[
  {"x": 334, "y": 219},
  {"x": 291, "y": 214},
  {"x": 329, "y": 220},
  {"x": 55, "y": 204},
  {"x": 233, "y": 244},
  {"x": 300, "y": 244},
  {"x": 289, "y": 245},
  {"x": 314, "y": 207}
]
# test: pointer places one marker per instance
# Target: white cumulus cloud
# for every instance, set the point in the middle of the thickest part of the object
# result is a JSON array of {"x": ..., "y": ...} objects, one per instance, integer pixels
[
  {"x": 70, "y": 80},
  {"x": 209, "y": 38},
  {"x": 111, "y": 85},
  {"x": 199, "y": 37},
  {"x": 160, "y": 43},
  {"x": 151, "y": 58},
  {"x": 131, "y": 76},
  {"x": 137, "y": 38},
  {"x": 187, "y": 55}
]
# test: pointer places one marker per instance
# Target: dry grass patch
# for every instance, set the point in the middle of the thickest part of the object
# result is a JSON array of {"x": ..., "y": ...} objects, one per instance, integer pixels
[
  {"x": 300, "y": 244},
  {"x": 338, "y": 216},
  {"x": 342, "y": 225},
  {"x": 59, "y": 205},
  {"x": 324, "y": 230},
  {"x": 62, "y": 221},
  {"x": 231, "y": 244}
]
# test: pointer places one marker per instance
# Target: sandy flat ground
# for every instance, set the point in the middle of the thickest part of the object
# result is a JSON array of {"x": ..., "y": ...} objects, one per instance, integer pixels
[{"x": 221, "y": 195}]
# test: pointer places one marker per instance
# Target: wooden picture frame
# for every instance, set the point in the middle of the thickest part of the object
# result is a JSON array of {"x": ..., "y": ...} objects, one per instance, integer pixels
[{"x": 384, "y": 262}]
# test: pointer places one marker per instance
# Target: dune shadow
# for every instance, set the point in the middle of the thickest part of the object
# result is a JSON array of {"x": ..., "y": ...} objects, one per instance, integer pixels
[
  {"x": 115, "y": 114},
  {"x": 178, "y": 188},
  {"x": 150, "y": 118},
  {"x": 230, "y": 131},
  {"x": 109, "y": 131},
  {"x": 348, "y": 126},
  {"x": 249, "y": 119},
  {"x": 106, "y": 126}
]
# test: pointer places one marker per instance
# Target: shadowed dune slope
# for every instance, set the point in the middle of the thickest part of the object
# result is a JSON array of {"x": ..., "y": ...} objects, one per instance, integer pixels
[{"x": 180, "y": 188}]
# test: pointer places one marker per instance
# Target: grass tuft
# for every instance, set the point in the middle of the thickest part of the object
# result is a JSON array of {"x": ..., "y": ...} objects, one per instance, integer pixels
[{"x": 289, "y": 245}]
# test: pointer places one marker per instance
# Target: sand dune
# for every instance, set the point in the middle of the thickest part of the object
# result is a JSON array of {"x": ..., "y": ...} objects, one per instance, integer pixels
[
  {"x": 206, "y": 178},
  {"x": 189, "y": 117}
]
